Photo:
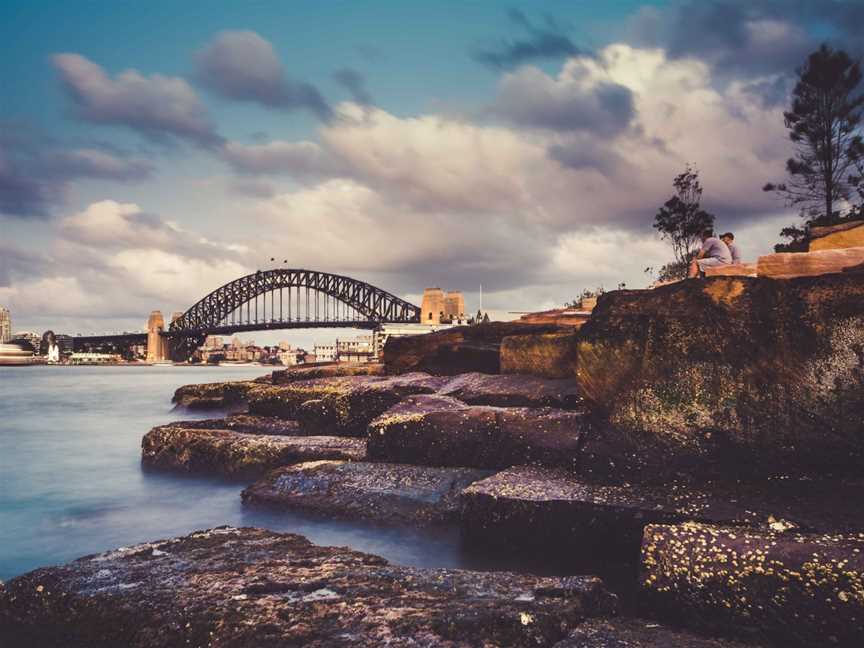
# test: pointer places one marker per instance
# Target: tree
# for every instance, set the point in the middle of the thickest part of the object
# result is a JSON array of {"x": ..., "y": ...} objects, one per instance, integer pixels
[
  {"x": 681, "y": 219},
  {"x": 823, "y": 122}
]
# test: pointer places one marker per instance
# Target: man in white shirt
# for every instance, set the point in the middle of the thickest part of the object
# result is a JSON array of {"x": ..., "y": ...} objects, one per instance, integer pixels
[
  {"x": 728, "y": 238},
  {"x": 713, "y": 253}
]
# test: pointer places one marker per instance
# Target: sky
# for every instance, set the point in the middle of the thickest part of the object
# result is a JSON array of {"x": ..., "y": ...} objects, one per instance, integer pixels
[{"x": 151, "y": 152}]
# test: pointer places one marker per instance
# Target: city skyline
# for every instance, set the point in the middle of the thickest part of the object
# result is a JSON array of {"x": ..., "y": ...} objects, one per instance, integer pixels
[{"x": 522, "y": 147}]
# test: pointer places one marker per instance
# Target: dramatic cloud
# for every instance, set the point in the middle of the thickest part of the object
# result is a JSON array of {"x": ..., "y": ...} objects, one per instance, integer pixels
[
  {"x": 355, "y": 83},
  {"x": 243, "y": 66},
  {"x": 548, "y": 41},
  {"x": 156, "y": 106},
  {"x": 93, "y": 163},
  {"x": 581, "y": 98},
  {"x": 22, "y": 195},
  {"x": 299, "y": 159}
]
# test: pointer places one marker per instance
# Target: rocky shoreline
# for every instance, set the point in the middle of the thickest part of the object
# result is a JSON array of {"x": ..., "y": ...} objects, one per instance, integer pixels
[{"x": 707, "y": 437}]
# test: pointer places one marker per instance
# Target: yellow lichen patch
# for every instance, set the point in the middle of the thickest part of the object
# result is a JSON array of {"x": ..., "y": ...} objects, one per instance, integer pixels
[{"x": 726, "y": 291}]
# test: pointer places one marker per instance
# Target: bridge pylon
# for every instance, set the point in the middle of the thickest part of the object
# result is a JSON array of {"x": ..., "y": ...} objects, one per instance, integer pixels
[{"x": 156, "y": 344}]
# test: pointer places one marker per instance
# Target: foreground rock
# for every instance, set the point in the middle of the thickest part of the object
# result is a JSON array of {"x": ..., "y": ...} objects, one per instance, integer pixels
[
  {"x": 513, "y": 391},
  {"x": 236, "y": 454},
  {"x": 248, "y": 588},
  {"x": 457, "y": 350},
  {"x": 223, "y": 395},
  {"x": 442, "y": 431},
  {"x": 380, "y": 492},
  {"x": 787, "y": 265},
  {"x": 550, "y": 355},
  {"x": 300, "y": 372},
  {"x": 341, "y": 405},
  {"x": 795, "y": 589},
  {"x": 247, "y": 424},
  {"x": 728, "y": 375},
  {"x": 637, "y": 633}
]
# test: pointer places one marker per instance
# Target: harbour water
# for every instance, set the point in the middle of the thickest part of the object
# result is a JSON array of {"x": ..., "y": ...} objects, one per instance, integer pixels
[{"x": 71, "y": 482}]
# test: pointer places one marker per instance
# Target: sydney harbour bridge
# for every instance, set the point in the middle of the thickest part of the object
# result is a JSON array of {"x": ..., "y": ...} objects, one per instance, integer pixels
[{"x": 267, "y": 300}]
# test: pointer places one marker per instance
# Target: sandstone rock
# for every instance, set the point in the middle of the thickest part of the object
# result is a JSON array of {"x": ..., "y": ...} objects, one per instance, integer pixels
[
  {"x": 513, "y": 391},
  {"x": 637, "y": 633},
  {"x": 561, "y": 316},
  {"x": 733, "y": 270},
  {"x": 456, "y": 350},
  {"x": 380, "y": 492},
  {"x": 247, "y": 424},
  {"x": 844, "y": 235},
  {"x": 301, "y": 372},
  {"x": 794, "y": 589},
  {"x": 222, "y": 395},
  {"x": 727, "y": 375},
  {"x": 248, "y": 588},
  {"x": 550, "y": 355},
  {"x": 787, "y": 265},
  {"x": 235, "y": 454},
  {"x": 442, "y": 431}
]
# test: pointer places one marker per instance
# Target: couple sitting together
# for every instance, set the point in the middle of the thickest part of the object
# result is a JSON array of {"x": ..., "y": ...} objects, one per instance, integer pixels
[{"x": 715, "y": 252}]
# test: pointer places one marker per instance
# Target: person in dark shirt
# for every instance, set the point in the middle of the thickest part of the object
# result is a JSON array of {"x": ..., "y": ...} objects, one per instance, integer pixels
[{"x": 713, "y": 253}]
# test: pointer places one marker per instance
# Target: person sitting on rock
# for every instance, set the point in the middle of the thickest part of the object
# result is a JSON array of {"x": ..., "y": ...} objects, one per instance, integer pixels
[
  {"x": 728, "y": 238},
  {"x": 713, "y": 253}
]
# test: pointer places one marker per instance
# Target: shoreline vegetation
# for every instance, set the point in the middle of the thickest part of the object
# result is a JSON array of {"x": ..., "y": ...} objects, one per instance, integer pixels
[{"x": 689, "y": 455}]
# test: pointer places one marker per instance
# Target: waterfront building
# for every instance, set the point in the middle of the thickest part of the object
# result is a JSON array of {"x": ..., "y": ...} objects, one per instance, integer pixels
[
  {"x": 5, "y": 326},
  {"x": 88, "y": 358},
  {"x": 324, "y": 352},
  {"x": 439, "y": 307},
  {"x": 29, "y": 337},
  {"x": 359, "y": 349}
]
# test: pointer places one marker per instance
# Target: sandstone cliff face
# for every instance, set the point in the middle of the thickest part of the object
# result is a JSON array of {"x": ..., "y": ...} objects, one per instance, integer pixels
[{"x": 746, "y": 371}]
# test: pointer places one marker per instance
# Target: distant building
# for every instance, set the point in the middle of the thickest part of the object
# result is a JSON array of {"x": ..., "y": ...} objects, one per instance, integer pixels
[
  {"x": 5, "y": 326},
  {"x": 439, "y": 307},
  {"x": 324, "y": 352},
  {"x": 29, "y": 337},
  {"x": 360, "y": 349},
  {"x": 86, "y": 358}
]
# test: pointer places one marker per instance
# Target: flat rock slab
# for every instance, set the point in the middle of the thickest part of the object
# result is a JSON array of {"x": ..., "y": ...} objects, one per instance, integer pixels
[
  {"x": 247, "y": 424},
  {"x": 221, "y": 395},
  {"x": 248, "y": 588},
  {"x": 380, "y": 492},
  {"x": 442, "y": 431},
  {"x": 793, "y": 589},
  {"x": 236, "y": 454},
  {"x": 513, "y": 390},
  {"x": 638, "y": 633},
  {"x": 293, "y": 374}
]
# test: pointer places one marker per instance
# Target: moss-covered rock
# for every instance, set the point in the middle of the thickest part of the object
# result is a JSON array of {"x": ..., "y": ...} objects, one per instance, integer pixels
[
  {"x": 550, "y": 355},
  {"x": 302, "y": 372},
  {"x": 513, "y": 391},
  {"x": 252, "y": 588},
  {"x": 368, "y": 491},
  {"x": 638, "y": 633},
  {"x": 793, "y": 589},
  {"x": 220, "y": 395}
]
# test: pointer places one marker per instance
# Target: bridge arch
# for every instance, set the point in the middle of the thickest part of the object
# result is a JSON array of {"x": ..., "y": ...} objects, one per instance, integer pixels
[{"x": 363, "y": 303}]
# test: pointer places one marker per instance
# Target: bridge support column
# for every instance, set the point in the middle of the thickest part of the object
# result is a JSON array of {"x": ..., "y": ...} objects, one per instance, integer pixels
[{"x": 156, "y": 348}]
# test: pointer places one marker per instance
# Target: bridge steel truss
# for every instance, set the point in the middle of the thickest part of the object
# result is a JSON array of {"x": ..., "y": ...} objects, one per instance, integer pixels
[{"x": 354, "y": 304}]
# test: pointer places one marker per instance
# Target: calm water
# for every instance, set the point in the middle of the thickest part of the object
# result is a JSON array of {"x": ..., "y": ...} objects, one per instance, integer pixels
[{"x": 71, "y": 481}]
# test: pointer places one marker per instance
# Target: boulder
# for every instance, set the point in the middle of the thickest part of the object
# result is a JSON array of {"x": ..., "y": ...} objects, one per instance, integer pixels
[
  {"x": 340, "y": 405},
  {"x": 221, "y": 395},
  {"x": 379, "y": 492},
  {"x": 790, "y": 588},
  {"x": 726, "y": 375},
  {"x": 786, "y": 265},
  {"x": 455, "y": 350},
  {"x": 247, "y": 424},
  {"x": 236, "y": 454},
  {"x": 442, "y": 431},
  {"x": 513, "y": 391},
  {"x": 733, "y": 270},
  {"x": 248, "y": 588},
  {"x": 550, "y": 355},
  {"x": 637, "y": 633},
  {"x": 832, "y": 237},
  {"x": 302, "y": 372}
]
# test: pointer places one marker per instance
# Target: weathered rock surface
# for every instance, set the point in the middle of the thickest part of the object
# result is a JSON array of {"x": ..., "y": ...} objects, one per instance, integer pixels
[
  {"x": 236, "y": 454},
  {"x": 379, "y": 492},
  {"x": 844, "y": 235},
  {"x": 637, "y": 633},
  {"x": 733, "y": 270},
  {"x": 795, "y": 589},
  {"x": 442, "y": 431},
  {"x": 300, "y": 372},
  {"x": 456, "y": 350},
  {"x": 726, "y": 375},
  {"x": 513, "y": 391},
  {"x": 550, "y": 355},
  {"x": 787, "y": 265},
  {"x": 341, "y": 405},
  {"x": 223, "y": 395},
  {"x": 247, "y": 424},
  {"x": 248, "y": 588},
  {"x": 570, "y": 317}
]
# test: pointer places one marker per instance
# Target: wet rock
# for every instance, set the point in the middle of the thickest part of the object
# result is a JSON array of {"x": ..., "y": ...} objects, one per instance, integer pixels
[
  {"x": 442, "y": 431},
  {"x": 794, "y": 589},
  {"x": 513, "y": 391},
  {"x": 380, "y": 492},
  {"x": 550, "y": 355},
  {"x": 728, "y": 374},
  {"x": 236, "y": 454},
  {"x": 222, "y": 395},
  {"x": 248, "y": 588},
  {"x": 637, "y": 633},
  {"x": 456, "y": 350},
  {"x": 301, "y": 372},
  {"x": 342, "y": 405},
  {"x": 247, "y": 424}
]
